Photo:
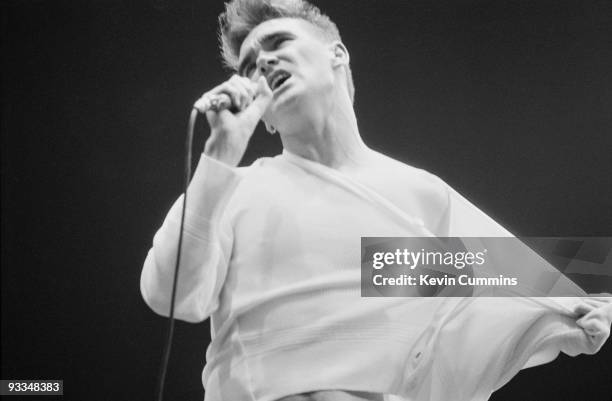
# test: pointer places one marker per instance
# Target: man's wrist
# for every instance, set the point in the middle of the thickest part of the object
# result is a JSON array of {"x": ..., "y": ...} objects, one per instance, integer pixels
[{"x": 220, "y": 153}]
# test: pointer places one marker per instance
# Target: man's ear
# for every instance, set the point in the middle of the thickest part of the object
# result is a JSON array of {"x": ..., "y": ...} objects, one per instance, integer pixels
[{"x": 339, "y": 53}]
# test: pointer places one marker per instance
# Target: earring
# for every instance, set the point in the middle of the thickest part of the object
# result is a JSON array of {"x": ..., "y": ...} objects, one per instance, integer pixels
[{"x": 270, "y": 129}]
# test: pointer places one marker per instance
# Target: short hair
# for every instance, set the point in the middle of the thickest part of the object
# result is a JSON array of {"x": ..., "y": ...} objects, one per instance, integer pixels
[{"x": 242, "y": 16}]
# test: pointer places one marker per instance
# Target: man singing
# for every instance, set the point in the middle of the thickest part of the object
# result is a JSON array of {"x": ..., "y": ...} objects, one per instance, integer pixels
[{"x": 272, "y": 255}]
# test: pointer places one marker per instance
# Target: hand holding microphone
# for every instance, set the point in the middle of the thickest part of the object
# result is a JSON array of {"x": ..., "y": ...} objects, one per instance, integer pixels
[
  {"x": 213, "y": 103},
  {"x": 233, "y": 110}
]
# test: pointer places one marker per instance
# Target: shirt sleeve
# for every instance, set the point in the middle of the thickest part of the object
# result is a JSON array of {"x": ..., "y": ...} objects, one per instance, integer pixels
[
  {"x": 557, "y": 329},
  {"x": 487, "y": 340},
  {"x": 206, "y": 248}
]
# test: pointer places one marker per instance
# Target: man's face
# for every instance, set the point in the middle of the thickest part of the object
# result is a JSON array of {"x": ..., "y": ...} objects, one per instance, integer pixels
[{"x": 295, "y": 60}]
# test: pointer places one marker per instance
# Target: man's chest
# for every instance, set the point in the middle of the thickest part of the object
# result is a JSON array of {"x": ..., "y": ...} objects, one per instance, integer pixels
[{"x": 289, "y": 218}]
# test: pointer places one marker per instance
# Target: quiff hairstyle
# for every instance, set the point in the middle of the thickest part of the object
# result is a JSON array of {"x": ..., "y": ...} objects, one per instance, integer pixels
[{"x": 242, "y": 16}]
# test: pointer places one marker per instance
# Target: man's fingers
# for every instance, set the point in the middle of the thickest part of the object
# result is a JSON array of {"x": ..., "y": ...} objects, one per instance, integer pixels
[
  {"x": 597, "y": 330},
  {"x": 249, "y": 86},
  {"x": 239, "y": 93},
  {"x": 260, "y": 104},
  {"x": 583, "y": 308},
  {"x": 245, "y": 88},
  {"x": 595, "y": 321}
]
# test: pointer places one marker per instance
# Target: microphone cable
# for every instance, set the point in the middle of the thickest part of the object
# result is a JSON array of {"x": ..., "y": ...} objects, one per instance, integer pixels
[{"x": 187, "y": 178}]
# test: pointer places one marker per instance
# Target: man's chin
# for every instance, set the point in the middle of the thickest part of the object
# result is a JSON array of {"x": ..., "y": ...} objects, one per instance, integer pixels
[{"x": 285, "y": 102}]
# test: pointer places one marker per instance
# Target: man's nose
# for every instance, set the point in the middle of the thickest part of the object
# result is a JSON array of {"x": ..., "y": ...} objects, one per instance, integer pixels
[{"x": 265, "y": 62}]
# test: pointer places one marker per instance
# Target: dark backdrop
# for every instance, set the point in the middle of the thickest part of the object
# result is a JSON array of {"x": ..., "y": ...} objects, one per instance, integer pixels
[{"x": 508, "y": 101}]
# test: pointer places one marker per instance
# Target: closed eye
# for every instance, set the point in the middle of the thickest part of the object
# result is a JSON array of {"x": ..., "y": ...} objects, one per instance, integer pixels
[
  {"x": 279, "y": 41},
  {"x": 275, "y": 40}
]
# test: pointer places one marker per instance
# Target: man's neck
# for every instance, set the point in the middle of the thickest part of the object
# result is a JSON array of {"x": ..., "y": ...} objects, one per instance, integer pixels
[{"x": 331, "y": 137}]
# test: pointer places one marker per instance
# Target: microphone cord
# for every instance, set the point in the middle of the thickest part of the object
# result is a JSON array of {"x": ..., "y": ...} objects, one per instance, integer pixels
[{"x": 187, "y": 177}]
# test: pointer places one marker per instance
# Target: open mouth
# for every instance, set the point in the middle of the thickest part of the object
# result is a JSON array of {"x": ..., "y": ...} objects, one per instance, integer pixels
[{"x": 277, "y": 79}]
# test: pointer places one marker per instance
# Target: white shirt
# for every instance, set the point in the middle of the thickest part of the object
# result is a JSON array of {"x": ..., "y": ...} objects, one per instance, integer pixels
[{"x": 272, "y": 254}]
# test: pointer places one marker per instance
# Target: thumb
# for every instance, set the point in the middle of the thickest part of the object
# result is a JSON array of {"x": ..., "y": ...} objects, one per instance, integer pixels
[
  {"x": 263, "y": 96},
  {"x": 596, "y": 331}
]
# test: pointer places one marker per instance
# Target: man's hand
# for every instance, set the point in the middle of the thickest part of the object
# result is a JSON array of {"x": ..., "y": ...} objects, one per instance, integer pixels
[
  {"x": 595, "y": 319},
  {"x": 230, "y": 130}
]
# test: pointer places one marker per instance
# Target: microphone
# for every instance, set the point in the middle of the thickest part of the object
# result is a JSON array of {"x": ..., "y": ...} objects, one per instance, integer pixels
[{"x": 215, "y": 103}]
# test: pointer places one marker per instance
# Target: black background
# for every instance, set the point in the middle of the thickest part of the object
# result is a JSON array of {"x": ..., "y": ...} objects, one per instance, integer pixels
[{"x": 508, "y": 101}]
